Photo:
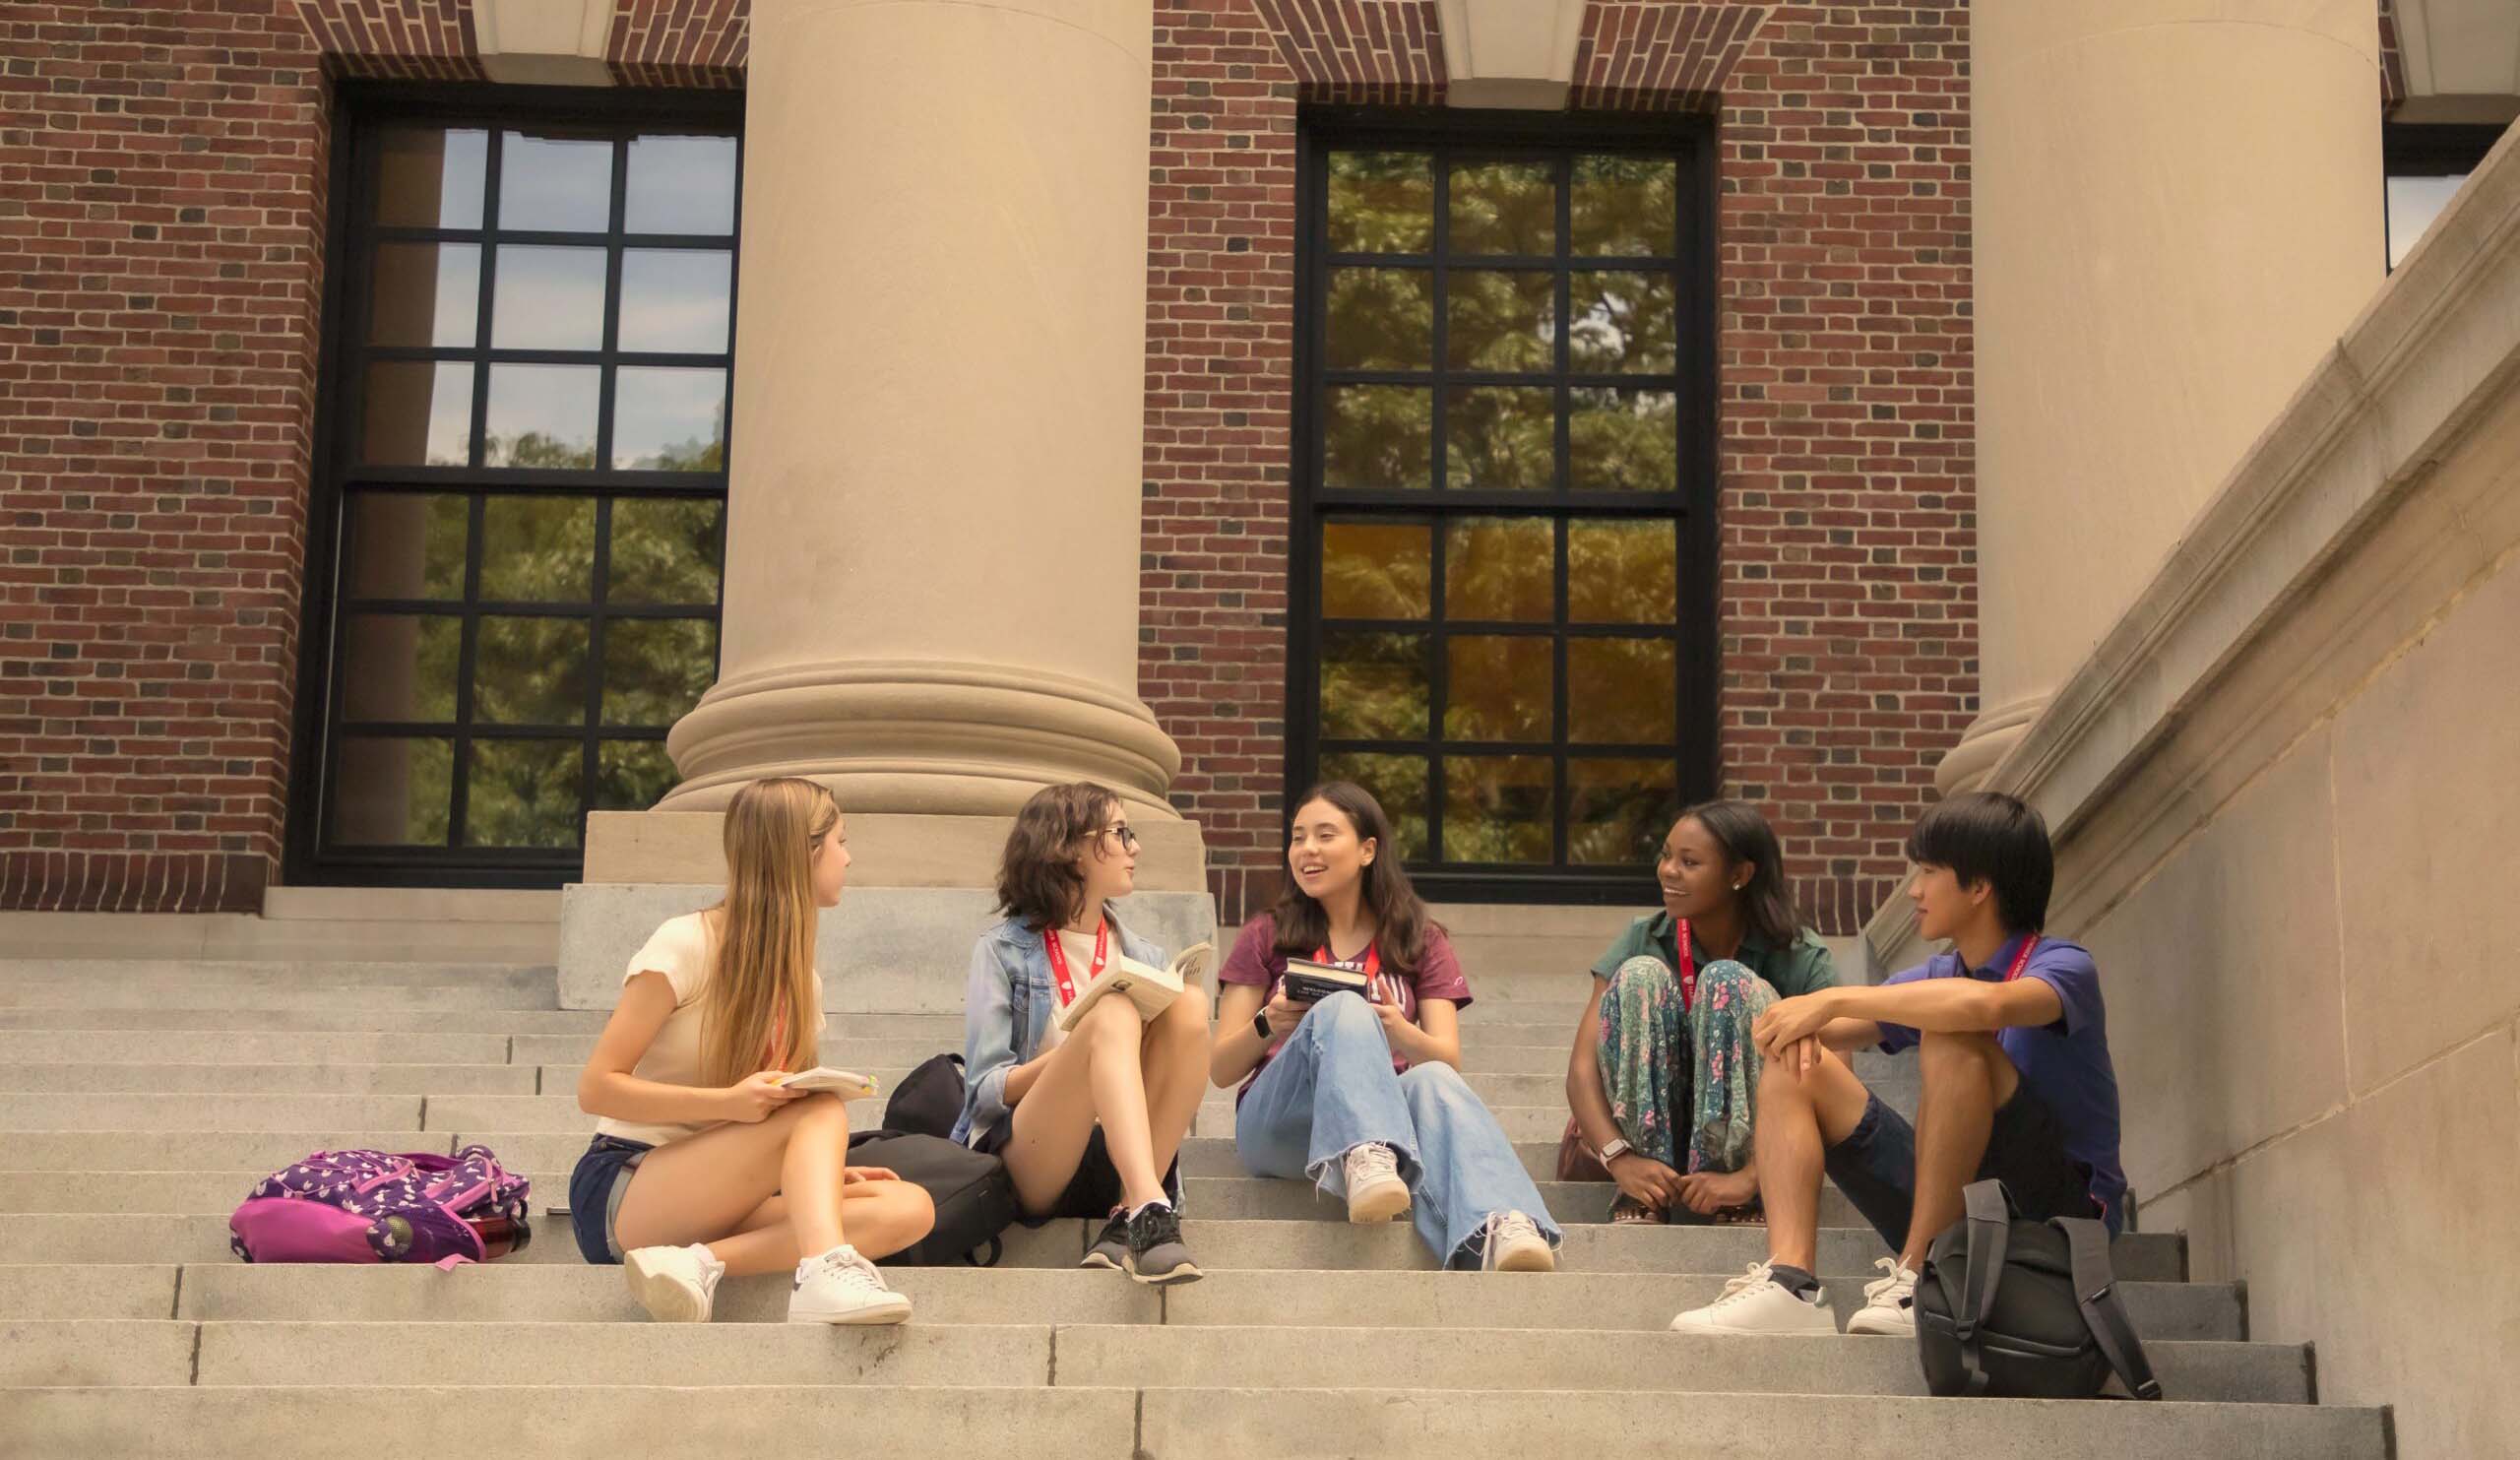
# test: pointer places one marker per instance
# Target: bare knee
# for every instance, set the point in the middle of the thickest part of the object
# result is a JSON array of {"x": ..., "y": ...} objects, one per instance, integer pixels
[
  {"x": 1944, "y": 1060},
  {"x": 821, "y": 1114},
  {"x": 1185, "y": 1020},
  {"x": 1112, "y": 1021}
]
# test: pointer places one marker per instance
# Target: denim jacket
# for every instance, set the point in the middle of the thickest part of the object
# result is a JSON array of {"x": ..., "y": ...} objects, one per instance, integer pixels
[{"x": 1006, "y": 1012}]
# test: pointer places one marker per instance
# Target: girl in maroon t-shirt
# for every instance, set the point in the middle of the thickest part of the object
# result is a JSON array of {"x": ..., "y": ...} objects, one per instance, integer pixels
[{"x": 1363, "y": 1093}]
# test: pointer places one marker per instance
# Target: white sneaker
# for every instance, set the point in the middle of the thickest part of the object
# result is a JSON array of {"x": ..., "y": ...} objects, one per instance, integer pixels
[
  {"x": 1375, "y": 1192},
  {"x": 675, "y": 1285},
  {"x": 1514, "y": 1244},
  {"x": 1756, "y": 1303},
  {"x": 1890, "y": 1304},
  {"x": 840, "y": 1287}
]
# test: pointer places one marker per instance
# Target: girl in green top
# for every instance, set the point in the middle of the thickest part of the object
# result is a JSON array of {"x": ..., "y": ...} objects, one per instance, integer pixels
[{"x": 1664, "y": 1069}]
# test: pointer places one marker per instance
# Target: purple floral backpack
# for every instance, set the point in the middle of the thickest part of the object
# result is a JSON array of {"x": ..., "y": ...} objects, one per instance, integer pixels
[{"x": 373, "y": 1206}]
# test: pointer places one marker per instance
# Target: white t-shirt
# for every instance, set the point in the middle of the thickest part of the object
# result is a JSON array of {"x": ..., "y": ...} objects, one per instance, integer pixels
[
  {"x": 685, "y": 952},
  {"x": 1079, "y": 948}
]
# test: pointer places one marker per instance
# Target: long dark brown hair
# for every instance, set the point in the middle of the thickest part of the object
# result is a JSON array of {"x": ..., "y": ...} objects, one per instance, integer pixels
[
  {"x": 1036, "y": 876},
  {"x": 1401, "y": 923},
  {"x": 1767, "y": 900}
]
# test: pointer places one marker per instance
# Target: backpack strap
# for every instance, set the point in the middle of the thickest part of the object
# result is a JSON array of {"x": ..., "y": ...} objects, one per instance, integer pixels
[
  {"x": 1989, "y": 1218},
  {"x": 2095, "y": 1292}
]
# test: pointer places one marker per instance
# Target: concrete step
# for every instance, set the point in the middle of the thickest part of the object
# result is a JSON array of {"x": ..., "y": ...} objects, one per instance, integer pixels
[
  {"x": 561, "y": 1293},
  {"x": 162, "y": 1351},
  {"x": 2138, "y": 1257},
  {"x": 261, "y": 1151},
  {"x": 1221, "y": 1245},
  {"x": 1233, "y": 1198},
  {"x": 282, "y": 997},
  {"x": 271, "y": 1079},
  {"x": 241, "y": 1046},
  {"x": 1074, "y": 1424},
  {"x": 207, "y": 1112},
  {"x": 92, "y": 1290},
  {"x": 560, "y": 1112},
  {"x": 167, "y": 973}
]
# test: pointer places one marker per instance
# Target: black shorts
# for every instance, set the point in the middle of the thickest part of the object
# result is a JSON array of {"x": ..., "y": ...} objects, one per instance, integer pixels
[
  {"x": 1093, "y": 1191},
  {"x": 1875, "y": 1166}
]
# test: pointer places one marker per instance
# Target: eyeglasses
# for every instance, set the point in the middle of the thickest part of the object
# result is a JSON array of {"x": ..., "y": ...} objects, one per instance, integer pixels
[{"x": 1127, "y": 838}]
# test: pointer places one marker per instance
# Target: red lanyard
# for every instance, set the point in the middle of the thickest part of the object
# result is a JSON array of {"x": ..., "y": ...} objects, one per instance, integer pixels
[
  {"x": 2021, "y": 960},
  {"x": 1058, "y": 959},
  {"x": 1372, "y": 966},
  {"x": 1688, "y": 965}
]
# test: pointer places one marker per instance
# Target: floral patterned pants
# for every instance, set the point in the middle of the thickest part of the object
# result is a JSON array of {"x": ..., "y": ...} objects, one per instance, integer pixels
[{"x": 1681, "y": 1081}]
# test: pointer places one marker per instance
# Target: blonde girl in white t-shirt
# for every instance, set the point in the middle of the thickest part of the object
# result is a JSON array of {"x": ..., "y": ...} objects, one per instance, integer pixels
[{"x": 702, "y": 1165}]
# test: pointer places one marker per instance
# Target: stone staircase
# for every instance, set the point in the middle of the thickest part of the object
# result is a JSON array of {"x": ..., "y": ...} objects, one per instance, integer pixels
[{"x": 140, "y": 1099}]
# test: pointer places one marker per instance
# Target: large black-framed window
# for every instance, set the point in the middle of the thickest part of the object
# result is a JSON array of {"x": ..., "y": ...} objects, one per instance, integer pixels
[
  {"x": 516, "y": 543},
  {"x": 1503, "y": 536}
]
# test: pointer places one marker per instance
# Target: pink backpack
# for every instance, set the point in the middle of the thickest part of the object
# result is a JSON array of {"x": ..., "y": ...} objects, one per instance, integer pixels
[{"x": 372, "y": 1206}]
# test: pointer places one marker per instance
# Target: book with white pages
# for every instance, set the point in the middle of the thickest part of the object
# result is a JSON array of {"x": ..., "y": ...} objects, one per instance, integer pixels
[
  {"x": 847, "y": 1083},
  {"x": 1153, "y": 990}
]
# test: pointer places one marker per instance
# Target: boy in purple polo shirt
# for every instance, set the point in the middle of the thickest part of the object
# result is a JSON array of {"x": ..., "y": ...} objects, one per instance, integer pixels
[{"x": 2013, "y": 1044}]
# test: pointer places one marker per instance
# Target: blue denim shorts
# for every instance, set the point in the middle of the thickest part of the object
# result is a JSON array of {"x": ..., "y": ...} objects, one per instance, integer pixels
[
  {"x": 1875, "y": 1166},
  {"x": 595, "y": 1194}
]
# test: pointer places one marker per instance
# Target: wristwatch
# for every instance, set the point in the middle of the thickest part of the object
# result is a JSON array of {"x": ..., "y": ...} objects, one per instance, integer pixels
[
  {"x": 1615, "y": 1149},
  {"x": 1260, "y": 1024}
]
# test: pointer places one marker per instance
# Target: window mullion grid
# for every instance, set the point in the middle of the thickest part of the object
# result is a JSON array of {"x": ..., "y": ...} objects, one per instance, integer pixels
[
  {"x": 1438, "y": 668},
  {"x": 478, "y": 450},
  {"x": 460, "y": 777}
]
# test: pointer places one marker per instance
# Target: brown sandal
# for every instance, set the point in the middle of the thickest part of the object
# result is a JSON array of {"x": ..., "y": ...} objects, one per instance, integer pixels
[{"x": 1625, "y": 1211}]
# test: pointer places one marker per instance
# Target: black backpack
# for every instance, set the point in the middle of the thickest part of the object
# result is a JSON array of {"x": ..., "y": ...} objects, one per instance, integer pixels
[
  {"x": 929, "y": 1101},
  {"x": 974, "y": 1197},
  {"x": 2024, "y": 1310}
]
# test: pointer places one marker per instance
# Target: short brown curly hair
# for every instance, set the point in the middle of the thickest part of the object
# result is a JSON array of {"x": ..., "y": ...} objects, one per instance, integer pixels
[{"x": 1036, "y": 876}]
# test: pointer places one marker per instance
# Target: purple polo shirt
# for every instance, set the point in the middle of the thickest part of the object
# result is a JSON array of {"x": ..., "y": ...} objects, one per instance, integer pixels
[{"x": 2065, "y": 1064}]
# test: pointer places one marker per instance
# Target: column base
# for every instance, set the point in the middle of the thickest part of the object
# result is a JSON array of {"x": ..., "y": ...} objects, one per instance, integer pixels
[
  {"x": 1986, "y": 742},
  {"x": 921, "y": 737}
]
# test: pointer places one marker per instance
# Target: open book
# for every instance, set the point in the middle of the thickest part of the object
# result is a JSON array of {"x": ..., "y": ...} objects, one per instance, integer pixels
[
  {"x": 1153, "y": 990},
  {"x": 847, "y": 1083},
  {"x": 1309, "y": 982}
]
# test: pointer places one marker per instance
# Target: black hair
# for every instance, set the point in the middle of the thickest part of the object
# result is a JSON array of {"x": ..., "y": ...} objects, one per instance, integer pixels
[
  {"x": 1765, "y": 901},
  {"x": 1986, "y": 835}
]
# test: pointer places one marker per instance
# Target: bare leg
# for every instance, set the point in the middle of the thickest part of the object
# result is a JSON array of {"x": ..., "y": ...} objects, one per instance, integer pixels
[
  {"x": 882, "y": 1218},
  {"x": 1967, "y": 1078},
  {"x": 703, "y": 1188},
  {"x": 1094, "y": 1073},
  {"x": 1174, "y": 1057},
  {"x": 1800, "y": 1116}
]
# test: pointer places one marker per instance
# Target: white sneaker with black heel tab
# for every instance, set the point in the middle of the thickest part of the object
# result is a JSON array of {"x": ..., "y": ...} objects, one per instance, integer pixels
[
  {"x": 675, "y": 1285},
  {"x": 841, "y": 1287},
  {"x": 1889, "y": 1304},
  {"x": 1376, "y": 1191},
  {"x": 1756, "y": 1303}
]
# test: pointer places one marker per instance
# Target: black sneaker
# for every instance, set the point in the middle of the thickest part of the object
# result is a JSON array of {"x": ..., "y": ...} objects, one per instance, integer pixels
[
  {"x": 1110, "y": 1250},
  {"x": 1156, "y": 1256}
]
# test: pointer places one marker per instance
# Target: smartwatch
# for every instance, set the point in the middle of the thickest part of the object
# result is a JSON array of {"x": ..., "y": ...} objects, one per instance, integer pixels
[
  {"x": 1613, "y": 1149},
  {"x": 1260, "y": 1024}
]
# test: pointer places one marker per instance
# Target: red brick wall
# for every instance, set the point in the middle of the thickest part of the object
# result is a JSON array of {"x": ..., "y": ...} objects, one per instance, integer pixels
[
  {"x": 161, "y": 176},
  {"x": 1848, "y": 640}
]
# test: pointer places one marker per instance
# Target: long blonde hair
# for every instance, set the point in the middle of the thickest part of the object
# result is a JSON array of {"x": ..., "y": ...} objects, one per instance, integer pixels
[{"x": 762, "y": 985}]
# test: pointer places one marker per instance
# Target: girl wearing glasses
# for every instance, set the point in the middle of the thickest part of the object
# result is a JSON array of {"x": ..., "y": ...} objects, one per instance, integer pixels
[{"x": 1089, "y": 1120}]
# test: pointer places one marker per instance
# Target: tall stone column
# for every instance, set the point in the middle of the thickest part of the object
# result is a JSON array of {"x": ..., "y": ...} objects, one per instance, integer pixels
[
  {"x": 2177, "y": 209},
  {"x": 931, "y": 597},
  {"x": 931, "y": 600}
]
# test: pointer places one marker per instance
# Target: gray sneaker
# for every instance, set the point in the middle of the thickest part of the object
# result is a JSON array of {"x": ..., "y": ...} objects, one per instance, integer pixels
[
  {"x": 1110, "y": 1250},
  {"x": 1156, "y": 1256}
]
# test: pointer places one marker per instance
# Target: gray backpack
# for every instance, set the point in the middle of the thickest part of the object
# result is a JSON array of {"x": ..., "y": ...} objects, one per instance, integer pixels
[{"x": 2024, "y": 1310}]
